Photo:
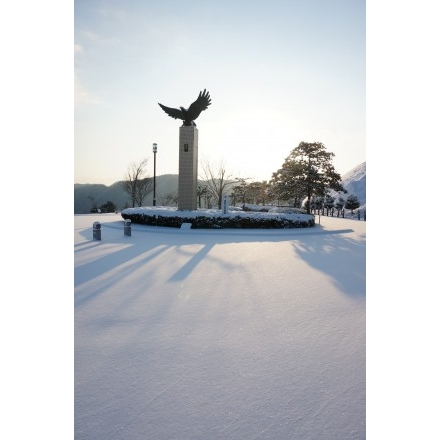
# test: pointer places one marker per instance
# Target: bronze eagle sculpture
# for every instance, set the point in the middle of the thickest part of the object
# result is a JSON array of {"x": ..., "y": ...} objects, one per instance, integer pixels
[{"x": 189, "y": 115}]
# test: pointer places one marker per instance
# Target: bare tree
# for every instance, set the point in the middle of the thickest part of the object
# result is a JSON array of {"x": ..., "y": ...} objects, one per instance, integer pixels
[
  {"x": 136, "y": 184},
  {"x": 202, "y": 191},
  {"x": 217, "y": 180},
  {"x": 169, "y": 199}
]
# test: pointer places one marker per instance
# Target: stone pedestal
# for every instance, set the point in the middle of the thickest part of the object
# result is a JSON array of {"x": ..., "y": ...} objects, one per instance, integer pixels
[{"x": 188, "y": 161}]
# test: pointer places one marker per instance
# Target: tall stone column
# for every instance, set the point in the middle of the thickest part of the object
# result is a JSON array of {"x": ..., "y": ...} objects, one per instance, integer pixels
[{"x": 188, "y": 162}]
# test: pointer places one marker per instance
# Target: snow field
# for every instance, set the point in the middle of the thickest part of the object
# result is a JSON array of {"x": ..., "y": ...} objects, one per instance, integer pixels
[{"x": 219, "y": 334}]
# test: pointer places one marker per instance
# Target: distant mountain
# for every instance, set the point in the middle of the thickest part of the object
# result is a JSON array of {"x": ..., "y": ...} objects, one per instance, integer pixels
[
  {"x": 88, "y": 196},
  {"x": 355, "y": 182}
]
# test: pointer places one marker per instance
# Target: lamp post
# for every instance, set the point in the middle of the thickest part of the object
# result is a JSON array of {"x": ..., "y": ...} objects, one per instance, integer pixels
[{"x": 154, "y": 179}]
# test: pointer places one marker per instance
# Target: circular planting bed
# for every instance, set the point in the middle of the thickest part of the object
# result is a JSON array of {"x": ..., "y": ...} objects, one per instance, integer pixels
[{"x": 216, "y": 219}]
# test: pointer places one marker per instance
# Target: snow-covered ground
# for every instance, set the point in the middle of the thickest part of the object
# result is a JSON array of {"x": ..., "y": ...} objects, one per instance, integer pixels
[{"x": 220, "y": 334}]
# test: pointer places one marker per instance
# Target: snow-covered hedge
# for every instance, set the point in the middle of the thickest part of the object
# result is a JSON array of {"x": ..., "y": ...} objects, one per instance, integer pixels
[{"x": 215, "y": 219}]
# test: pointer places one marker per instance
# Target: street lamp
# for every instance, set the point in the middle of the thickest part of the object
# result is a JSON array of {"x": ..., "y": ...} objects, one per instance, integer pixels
[{"x": 154, "y": 179}]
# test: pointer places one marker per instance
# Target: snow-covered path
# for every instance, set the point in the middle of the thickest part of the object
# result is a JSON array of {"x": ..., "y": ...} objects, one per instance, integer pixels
[{"x": 220, "y": 334}]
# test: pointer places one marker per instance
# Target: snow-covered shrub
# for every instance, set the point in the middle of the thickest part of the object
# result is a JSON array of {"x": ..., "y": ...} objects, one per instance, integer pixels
[{"x": 214, "y": 219}]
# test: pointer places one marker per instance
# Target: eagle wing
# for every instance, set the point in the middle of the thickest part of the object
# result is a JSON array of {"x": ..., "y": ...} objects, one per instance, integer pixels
[
  {"x": 173, "y": 112},
  {"x": 200, "y": 104}
]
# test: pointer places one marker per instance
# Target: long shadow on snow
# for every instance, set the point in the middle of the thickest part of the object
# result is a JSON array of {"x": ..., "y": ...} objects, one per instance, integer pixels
[
  {"x": 342, "y": 258},
  {"x": 316, "y": 242}
]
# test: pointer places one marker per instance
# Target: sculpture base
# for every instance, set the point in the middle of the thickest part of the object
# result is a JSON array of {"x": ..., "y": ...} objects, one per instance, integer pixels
[{"x": 188, "y": 171}]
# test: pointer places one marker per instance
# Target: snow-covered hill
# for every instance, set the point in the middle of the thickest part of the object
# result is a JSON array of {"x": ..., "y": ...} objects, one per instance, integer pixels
[{"x": 355, "y": 182}]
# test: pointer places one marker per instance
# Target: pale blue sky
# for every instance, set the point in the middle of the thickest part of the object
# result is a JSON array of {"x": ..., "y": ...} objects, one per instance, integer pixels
[{"x": 278, "y": 72}]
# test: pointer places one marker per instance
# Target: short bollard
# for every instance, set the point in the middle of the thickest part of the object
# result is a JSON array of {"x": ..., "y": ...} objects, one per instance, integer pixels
[
  {"x": 96, "y": 231},
  {"x": 127, "y": 227}
]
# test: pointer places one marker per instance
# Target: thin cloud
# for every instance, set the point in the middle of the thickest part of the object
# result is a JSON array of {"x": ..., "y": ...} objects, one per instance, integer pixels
[
  {"x": 90, "y": 35},
  {"x": 118, "y": 14},
  {"x": 81, "y": 95}
]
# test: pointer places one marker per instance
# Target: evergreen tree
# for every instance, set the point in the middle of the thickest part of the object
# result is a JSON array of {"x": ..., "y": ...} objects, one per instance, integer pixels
[
  {"x": 306, "y": 172},
  {"x": 108, "y": 207},
  {"x": 339, "y": 204},
  {"x": 329, "y": 203},
  {"x": 262, "y": 191},
  {"x": 287, "y": 185},
  {"x": 317, "y": 203},
  {"x": 352, "y": 202}
]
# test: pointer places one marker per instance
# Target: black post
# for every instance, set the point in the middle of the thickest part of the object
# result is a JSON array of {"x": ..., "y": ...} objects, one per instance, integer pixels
[{"x": 154, "y": 178}]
